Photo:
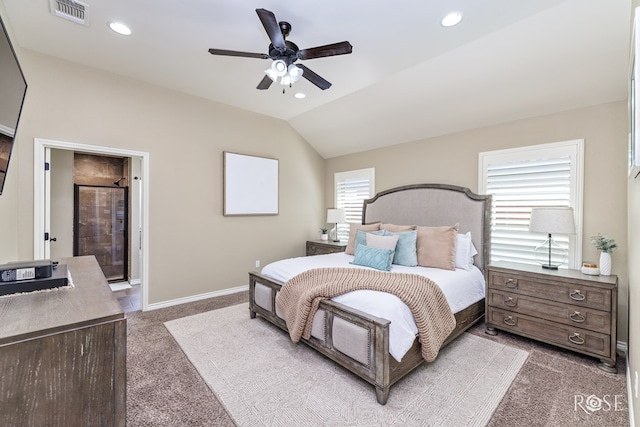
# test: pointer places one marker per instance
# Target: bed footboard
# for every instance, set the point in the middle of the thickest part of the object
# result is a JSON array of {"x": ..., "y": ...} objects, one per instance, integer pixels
[{"x": 355, "y": 340}]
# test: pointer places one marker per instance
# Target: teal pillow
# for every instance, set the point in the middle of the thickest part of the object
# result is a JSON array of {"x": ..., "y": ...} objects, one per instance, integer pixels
[
  {"x": 361, "y": 237},
  {"x": 377, "y": 258},
  {"x": 406, "y": 248}
]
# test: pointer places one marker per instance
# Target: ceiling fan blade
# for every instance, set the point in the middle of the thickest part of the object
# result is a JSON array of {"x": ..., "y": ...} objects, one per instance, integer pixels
[
  {"x": 341, "y": 48},
  {"x": 264, "y": 83},
  {"x": 238, "y": 53},
  {"x": 272, "y": 28},
  {"x": 314, "y": 78}
]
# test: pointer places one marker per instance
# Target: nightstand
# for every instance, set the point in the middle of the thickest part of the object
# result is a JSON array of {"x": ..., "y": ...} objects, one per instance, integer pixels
[
  {"x": 561, "y": 307},
  {"x": 321, "y": 247}
]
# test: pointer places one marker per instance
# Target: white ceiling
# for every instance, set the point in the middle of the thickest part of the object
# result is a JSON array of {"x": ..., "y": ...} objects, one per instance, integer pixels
[{"x": 408, "y": 77}]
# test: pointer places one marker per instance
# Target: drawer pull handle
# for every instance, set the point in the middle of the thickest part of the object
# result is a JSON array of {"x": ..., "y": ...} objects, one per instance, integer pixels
[
  {"x": 511, "y": 283},
  {"x": 576, "y": 295},
  {"x": 510, "y": 302},
  {"x": 576, "y": 339},
  {"x": 577, "y": 317},
  {"x": 509, "y": 321}
]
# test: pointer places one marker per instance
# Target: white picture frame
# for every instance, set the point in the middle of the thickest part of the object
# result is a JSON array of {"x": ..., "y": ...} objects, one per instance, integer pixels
[{"x": 250, "y": 185}]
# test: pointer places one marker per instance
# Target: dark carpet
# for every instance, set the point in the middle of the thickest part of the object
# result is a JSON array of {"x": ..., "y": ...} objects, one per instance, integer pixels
[{"x": 554, "y": 387}]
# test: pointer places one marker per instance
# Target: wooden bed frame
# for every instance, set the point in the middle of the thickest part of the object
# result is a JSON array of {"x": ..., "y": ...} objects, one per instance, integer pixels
[{"x": 336, "y": 324}]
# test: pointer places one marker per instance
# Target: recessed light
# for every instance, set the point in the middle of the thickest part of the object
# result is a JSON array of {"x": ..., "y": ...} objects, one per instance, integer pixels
[
  {"x": 451, "y": 19},
  {"x": 120, "y": 28},
  {"x": 299, "y": 95}
]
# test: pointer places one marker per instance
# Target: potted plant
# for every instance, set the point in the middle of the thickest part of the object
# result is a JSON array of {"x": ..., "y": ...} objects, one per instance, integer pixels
[
  {"x": 324, "y": 233},
  {"x": 605, "y": 245}
]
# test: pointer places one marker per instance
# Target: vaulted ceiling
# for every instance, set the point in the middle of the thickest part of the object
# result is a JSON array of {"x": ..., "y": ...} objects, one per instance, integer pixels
[{"x": 408, "y": 78}]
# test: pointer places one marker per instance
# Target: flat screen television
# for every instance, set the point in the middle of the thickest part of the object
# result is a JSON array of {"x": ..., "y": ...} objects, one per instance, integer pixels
[{"x": 13, "y": 88}]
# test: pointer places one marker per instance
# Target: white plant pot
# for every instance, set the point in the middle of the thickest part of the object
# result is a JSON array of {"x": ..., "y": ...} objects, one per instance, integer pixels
[
  {"x": 324, "y": 237},
  {"x": 605, "y": 264}
]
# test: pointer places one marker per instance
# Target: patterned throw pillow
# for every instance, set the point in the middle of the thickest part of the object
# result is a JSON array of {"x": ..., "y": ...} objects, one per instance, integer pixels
[{"x": 377, "y": 258}]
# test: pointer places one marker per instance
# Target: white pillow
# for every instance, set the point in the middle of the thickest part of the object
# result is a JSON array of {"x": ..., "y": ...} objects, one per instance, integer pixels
[{"x": 465, "y": 251}]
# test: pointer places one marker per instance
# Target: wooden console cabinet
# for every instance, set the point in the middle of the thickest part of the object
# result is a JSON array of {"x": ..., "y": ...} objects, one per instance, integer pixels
[
  {"x": 561, "y": 307},
  {"x": 63, "y": 354}
]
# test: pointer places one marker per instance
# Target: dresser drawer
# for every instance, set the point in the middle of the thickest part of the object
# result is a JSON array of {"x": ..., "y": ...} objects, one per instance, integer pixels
[
  {"x": 577, "y": 294},
  {"x": 577, "y": 339},
  {"x": 316, "y": 248},
  {"x": 582, "y": 317}
]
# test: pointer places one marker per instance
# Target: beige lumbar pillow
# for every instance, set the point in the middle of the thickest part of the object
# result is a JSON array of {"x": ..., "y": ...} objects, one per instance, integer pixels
[
  {"x": 396, "y": 228},
  {"x": 436, "y": 246},
  {"x": 352, "y": 234}
]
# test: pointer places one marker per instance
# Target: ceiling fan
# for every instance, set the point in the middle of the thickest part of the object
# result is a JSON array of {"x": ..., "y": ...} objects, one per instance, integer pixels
[{"x": 284, "y": 53}]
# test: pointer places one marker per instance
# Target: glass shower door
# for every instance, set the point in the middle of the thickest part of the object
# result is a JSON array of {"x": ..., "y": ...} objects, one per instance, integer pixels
[{"x": 100, "y": 228}]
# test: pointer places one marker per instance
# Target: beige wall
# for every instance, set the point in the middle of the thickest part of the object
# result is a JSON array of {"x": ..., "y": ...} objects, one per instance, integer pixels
[
  {"x": 453, "y": 159},
  {"x": 193, "y": 249}
]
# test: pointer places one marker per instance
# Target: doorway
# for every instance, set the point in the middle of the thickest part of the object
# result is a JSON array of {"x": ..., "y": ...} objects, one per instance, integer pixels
[{"x": 42, "y": 201}]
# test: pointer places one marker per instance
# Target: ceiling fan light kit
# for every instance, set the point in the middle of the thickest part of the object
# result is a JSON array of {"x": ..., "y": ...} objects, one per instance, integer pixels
[
  {"x": 284, "y": 53},
  {"x": 288, "y": 75}
]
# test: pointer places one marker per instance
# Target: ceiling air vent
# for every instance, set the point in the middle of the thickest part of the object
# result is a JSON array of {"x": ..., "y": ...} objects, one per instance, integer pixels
[{"x": 71, "y": 10}]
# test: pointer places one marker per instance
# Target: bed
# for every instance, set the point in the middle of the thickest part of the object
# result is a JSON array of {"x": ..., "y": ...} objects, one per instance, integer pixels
[{"x": 358, "y": 340}]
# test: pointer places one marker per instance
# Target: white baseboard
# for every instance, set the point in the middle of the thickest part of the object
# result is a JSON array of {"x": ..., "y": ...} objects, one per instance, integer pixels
[
  {"x": 194, "y": 298},
  {"x": 622, "y": 347}
]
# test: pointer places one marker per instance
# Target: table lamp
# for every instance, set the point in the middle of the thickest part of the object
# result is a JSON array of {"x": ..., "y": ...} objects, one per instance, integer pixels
[
  {"x": 335, "y": 216},
  {"x": 557, "y": 220}
]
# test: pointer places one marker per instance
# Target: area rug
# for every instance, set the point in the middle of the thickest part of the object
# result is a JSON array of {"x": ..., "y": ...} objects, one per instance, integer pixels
[{"x": 263, "y": 379}]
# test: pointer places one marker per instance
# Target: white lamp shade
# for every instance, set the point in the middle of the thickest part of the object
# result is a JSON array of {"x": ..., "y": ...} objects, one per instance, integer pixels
[
  {"x": 552, "y": 221},
  {"x": 335, "y": 216},
  {"x": 279, "y": 67},
  {"x": 295, "y": 73}
]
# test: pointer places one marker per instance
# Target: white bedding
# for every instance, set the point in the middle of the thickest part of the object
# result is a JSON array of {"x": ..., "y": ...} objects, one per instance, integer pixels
[{"x": 461, "y": 288}]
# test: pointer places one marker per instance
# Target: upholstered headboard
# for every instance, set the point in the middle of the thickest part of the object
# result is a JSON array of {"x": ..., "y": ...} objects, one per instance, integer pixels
[{"x": 435, "y": 205}]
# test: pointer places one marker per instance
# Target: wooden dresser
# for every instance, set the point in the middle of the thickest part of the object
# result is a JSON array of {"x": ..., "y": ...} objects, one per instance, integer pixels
[
  {"x": 63, "y": 354},
  {"x": 321, "y": 247},
  {"x": 561, "y": 307}
]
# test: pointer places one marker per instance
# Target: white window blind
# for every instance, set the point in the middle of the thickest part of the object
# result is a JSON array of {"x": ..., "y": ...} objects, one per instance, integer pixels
[
  {"x": 548, "y": 175},
  {"x": 351, "y": 189}
]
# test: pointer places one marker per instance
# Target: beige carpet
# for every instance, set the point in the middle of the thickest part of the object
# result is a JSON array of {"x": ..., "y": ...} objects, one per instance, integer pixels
[{"x": 262, "y": 378}]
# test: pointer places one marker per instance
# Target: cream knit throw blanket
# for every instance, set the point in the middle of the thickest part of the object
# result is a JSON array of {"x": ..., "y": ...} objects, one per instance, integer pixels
[{"x": 300, "y": 296}]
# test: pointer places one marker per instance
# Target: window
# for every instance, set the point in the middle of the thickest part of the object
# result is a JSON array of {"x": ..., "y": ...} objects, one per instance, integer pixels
[
  {"x": 519, "y": 179},
  {"x": 351, "y": 189}
]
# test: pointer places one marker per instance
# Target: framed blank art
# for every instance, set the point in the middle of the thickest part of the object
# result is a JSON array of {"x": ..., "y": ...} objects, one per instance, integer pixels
[{"x": 250, "y": 185}]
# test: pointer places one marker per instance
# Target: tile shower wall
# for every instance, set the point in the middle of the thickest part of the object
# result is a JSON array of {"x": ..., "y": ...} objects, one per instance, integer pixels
[
  {"x": 100, "y": 233},
  {"x": 99, "y": 170}
]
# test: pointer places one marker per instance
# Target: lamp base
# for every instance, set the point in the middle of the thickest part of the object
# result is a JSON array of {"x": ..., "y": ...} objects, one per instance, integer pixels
[
  {"x": 550, "y": 255},
  {"x": 333, "y": 234}
]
